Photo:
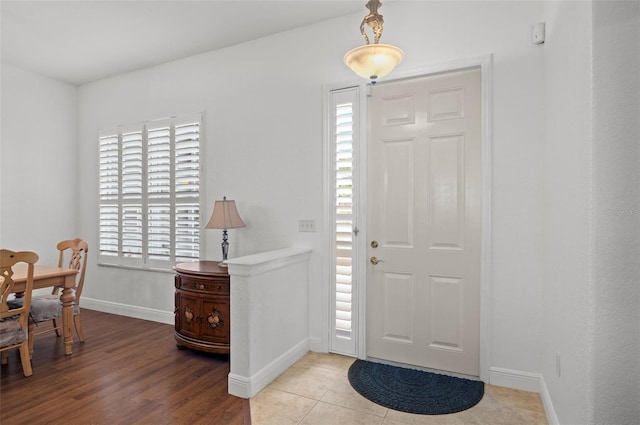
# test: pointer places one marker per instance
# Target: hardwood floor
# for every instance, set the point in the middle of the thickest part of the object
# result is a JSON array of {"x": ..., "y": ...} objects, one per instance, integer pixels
[{"x": 128, "y": 371}]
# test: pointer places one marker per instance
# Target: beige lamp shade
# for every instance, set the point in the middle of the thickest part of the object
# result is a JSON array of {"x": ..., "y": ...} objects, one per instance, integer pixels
[
  {"x": 225, "y": 216},
  {"x": 373, "y": 60}
]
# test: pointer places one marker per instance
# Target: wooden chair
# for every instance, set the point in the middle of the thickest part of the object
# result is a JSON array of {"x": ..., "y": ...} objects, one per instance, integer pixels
[
  {"x": 14, "y": 322},
  {"x": 49, "y": 307}
]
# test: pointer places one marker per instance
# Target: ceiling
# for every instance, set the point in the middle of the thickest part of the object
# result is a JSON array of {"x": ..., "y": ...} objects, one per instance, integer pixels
[{"x": 82, "y": 41}]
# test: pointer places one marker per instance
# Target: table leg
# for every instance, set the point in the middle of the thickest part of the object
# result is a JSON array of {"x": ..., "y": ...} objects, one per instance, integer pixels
[{"x": 67, "y": 298}]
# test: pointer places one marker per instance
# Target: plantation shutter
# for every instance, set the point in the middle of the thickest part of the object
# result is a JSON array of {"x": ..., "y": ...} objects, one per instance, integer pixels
[
  {"x": 109, "y": 195},
  {"x": 159, "y": 178},
  {"x": 132, "y": 216},
  {"x": 150, "y": 194},
  {"x": 344, "y": 217},
  {"x": 187, "y": 187},
  {"x": 343, "y": 107}
]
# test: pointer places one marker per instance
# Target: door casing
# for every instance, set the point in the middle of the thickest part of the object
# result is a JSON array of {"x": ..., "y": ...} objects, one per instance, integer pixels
[{"x": 485, "y": 63}]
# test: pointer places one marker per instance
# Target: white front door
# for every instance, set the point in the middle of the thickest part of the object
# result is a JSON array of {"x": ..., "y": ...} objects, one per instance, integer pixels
[{"x": 424, "y": 207}]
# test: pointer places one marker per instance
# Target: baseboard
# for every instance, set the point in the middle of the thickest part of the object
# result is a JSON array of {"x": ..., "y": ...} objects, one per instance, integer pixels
[
  {"x": 247, "y": 387},
  {"x": 552, "y": 418},
  {"x": 128, "y": 310},
  {"x": 516, "y": 379},
  {"x": 525, "y": 381},
  {"x": 316, "y": 345}
]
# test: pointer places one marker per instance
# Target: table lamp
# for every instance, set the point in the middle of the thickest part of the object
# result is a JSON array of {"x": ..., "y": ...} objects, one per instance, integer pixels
[{"x": 225, "y": 216}]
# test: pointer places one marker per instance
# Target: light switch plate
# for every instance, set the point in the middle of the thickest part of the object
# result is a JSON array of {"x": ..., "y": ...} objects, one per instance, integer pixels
[
  {"x": 307, "y": 226},
  {"x": 537, "y": 34}
]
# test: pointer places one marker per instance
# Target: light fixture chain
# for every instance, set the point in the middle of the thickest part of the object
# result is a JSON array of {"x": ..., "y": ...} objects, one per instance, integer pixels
[{"x": 374, "y": 20}]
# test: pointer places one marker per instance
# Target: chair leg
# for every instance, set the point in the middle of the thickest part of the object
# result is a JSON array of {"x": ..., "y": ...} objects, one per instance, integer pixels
[
  {"x": 5, "y": 357},
  {"x": 31, "y": 327},
  {"x": 57, "y": 329},
  {"x": 25, "y": 358},
  {"x": 76, "y": 322}
]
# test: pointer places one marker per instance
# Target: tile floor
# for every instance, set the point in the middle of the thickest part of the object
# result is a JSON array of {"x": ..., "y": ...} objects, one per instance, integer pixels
[{"x": 316, "y": 391}]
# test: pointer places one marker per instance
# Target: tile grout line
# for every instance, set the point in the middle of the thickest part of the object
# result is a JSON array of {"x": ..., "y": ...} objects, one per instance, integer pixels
[
  {"x": 307, "y": 414},
  {"x": 292, "y": 393}
]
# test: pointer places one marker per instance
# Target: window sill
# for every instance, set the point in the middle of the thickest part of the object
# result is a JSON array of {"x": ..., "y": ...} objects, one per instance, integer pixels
[{"x": 142, "y": 269}]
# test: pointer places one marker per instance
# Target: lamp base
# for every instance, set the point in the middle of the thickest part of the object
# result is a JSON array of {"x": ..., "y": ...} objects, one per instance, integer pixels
[{"x": 225, "y": 249}]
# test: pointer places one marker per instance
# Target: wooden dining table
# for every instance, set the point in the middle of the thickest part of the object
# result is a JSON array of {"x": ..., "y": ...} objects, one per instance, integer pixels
[{"x": 48, "y": 277}]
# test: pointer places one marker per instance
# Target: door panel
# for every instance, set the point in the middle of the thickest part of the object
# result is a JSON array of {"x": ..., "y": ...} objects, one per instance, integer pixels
[
  {"x": 424, "y": 210},
  {"x": 188, "y": 312},
  {"x": 445, "y": 312},
  {"x": 446, "y": 192},
  {"x": 397, "y": 193},
  {"x": 215, "y": 319},
  {"x": 398, "y": 312}
]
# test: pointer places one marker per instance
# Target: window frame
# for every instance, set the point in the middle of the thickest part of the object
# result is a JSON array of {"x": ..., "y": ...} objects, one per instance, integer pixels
[
  {"x": 338, "y": 342},
  {"x": 147, "y": 200}
]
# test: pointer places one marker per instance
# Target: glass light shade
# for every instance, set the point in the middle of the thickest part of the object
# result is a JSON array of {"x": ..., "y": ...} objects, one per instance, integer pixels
[{"x": 373, "y": 60}]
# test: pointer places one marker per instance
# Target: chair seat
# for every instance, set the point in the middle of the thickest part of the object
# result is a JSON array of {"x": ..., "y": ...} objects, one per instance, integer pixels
[
  {"x": 43, "y": 307},
  {"x": 11, "y": 332}
]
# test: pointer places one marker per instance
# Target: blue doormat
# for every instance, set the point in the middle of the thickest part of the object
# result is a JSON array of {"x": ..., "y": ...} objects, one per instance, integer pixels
[{"x": 414, "y": 391}]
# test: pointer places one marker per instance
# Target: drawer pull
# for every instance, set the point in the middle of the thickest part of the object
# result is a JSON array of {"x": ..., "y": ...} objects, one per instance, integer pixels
[{"x": 201, "y": 286}]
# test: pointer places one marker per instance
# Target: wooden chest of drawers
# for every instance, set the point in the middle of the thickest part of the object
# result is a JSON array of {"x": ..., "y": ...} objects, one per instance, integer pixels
[{"x": 202, "y": 308}]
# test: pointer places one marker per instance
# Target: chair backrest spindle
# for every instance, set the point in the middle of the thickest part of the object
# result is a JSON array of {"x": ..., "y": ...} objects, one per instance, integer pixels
[
  {"x": 77, "y": 260},
  {"x": 14, "y": 326},
  {"x": 8, "y": 259}
]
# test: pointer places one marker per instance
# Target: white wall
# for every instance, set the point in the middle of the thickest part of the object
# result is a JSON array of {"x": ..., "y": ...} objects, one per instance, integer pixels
[
  {"x": 264, "y": 148},
  {"x": 616, "y": 209},
  {"x": 566, "y": 175},
  {"x": 38, "y": 204},
  {"x": 591, "y": 239}
]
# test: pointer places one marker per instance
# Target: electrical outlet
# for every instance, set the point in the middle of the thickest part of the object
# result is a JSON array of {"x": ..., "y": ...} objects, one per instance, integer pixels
[
  {"x": 306, "y": 225},
  {"x": 558, "y": 364}
]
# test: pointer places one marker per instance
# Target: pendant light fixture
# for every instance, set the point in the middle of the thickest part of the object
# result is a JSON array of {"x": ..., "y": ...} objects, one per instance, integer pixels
[{"x": 373, "y": 60}]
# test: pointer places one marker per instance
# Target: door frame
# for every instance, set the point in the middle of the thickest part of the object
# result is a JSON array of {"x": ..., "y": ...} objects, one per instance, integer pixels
[{"x": 485, "y": 64}]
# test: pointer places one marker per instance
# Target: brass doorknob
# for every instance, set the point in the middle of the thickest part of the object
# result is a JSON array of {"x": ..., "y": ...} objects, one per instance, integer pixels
[{"x": 374, "y": 260}]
